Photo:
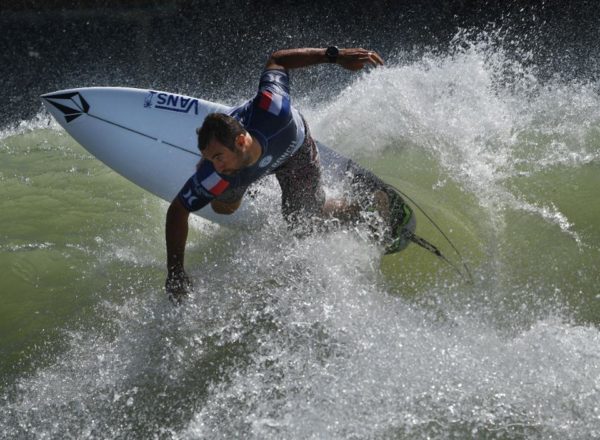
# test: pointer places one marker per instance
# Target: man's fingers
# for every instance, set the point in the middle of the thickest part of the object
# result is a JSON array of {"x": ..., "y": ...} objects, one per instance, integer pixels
[
  {"x": 373, "y": 58},
  {"x": 178, "y": 287},
  {"x": 377, "y": 58},
  {"x": 177, "y": 294},
  {"x": 357, "y": 58}
]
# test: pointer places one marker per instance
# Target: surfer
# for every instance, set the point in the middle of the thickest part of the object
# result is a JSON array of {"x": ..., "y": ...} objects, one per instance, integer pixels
[{"x": 265, "y": 135}]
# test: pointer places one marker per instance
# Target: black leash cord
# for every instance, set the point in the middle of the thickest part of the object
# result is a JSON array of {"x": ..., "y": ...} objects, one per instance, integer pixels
[{"x": 431, "y": 248}]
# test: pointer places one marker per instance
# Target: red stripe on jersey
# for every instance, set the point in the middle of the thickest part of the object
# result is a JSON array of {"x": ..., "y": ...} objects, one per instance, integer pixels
[
  {"x": 265, "y": 100},
  {"x": 219, "y": 187}
]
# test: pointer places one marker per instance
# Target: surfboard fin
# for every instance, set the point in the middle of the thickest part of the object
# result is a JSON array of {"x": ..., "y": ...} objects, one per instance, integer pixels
[{"x": 409, "y": 235}]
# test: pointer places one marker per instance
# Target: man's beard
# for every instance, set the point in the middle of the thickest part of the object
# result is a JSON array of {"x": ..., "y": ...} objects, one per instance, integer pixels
[{"x": 245, "y": 160}]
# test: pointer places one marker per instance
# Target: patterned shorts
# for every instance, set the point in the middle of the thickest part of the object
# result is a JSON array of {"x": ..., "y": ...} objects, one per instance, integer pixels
[{"x": 402, "y": 222}]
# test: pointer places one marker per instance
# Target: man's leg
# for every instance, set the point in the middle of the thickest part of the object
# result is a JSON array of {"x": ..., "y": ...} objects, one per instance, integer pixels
[
  {"x": 373, "y": 194},
  {"x": 341, "y": 209}
]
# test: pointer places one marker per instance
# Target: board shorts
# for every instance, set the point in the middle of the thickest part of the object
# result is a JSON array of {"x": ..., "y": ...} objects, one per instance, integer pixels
[
  {"x": 401, "y": 223},
  {"x": 300, "y": 179}
]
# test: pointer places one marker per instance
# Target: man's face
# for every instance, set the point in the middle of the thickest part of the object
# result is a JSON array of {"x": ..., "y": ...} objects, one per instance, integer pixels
[{"x": 224, "y": 160}]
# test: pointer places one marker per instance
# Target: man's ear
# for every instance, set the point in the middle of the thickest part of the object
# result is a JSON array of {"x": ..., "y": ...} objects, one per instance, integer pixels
[{"x": 241, "y": 141}]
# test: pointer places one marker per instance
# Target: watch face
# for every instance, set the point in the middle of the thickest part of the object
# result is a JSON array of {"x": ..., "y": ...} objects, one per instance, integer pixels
[{"x": 332, "y": 53}]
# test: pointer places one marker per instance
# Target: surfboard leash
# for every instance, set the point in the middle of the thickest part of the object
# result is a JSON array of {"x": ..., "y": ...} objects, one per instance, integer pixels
[
  {"x": 434, "y": 250},
  {"x": 430, "y": 247}
]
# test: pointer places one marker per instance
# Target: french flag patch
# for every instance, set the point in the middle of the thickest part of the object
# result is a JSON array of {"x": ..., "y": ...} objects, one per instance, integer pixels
[
  {"x": 215, "y": 184},
  {"x": 273, "y": 103}
]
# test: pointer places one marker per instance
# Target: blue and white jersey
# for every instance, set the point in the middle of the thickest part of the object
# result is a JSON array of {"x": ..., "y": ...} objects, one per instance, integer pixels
[{"x": 273, "y": 122}]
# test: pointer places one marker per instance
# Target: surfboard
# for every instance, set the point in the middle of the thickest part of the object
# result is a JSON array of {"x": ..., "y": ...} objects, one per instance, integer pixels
[{"x": 149, "y": 136}]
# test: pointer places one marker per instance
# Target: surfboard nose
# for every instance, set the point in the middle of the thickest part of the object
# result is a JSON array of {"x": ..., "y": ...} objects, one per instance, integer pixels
[{"x": 70, "y": 104}]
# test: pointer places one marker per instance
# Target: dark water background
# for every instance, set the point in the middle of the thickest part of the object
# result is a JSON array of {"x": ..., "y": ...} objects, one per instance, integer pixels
[{"x": 216, "y": 48}]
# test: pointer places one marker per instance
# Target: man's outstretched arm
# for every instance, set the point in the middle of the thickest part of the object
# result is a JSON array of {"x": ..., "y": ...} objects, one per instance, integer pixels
[
  {"x": 349, "y": 58},
  {"x": 176, "y": 232}
]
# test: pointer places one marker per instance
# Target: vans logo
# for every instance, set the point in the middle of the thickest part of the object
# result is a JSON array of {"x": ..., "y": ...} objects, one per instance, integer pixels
[{"x": 174, "y": 103}]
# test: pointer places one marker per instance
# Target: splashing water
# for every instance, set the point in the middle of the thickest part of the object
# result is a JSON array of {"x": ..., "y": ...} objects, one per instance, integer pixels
[{"x": 321, "y": 337}]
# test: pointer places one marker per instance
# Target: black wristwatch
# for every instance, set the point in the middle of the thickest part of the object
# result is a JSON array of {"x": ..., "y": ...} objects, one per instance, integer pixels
[{"x": 332, "y": 53}]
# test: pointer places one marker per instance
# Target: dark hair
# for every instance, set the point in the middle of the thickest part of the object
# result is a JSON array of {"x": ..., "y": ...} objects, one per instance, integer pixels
[{"x": 221, "y": 127}]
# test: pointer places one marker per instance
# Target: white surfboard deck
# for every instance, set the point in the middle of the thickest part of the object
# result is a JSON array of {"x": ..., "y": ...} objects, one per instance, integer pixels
[{"x": 149, "y": 137}]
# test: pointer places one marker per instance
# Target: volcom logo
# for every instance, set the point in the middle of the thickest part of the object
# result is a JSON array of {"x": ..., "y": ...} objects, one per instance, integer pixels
[
  {"x": 265, "y": 161},
  {"x": 72, "y": 105}
]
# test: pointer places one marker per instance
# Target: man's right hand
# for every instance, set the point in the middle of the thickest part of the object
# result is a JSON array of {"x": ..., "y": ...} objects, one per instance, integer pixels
[
  {"x": 178, "y": 286},
  {"x": 178, "y": 283},
  {"x": 356, "y": 59}
]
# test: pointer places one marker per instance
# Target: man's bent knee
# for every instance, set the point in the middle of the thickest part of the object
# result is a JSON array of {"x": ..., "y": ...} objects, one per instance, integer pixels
[{"x": 225, "y": 208}]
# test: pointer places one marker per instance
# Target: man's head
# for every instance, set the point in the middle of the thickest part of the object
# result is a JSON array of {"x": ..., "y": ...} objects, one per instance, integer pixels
[{"x": 223, "y": 141}]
